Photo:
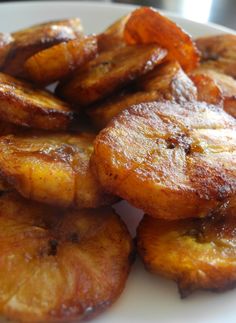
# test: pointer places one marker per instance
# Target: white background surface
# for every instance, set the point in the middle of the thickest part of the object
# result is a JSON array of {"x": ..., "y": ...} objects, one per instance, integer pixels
[{"x": 146, "y": 298}]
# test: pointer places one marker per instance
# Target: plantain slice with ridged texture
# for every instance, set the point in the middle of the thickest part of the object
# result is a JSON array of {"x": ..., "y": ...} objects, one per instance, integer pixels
[
  {"x": 166, "y": 82},
  {"x": 23, "y": 104},
  {"x": 57, "y": 62},
  {"x": 171, "y": 160},
  {"x": 109, "y": 72},
  {"x": 52, "y": 168},
  {"x": 218, "y": 53},
  {"x": 146, "y": 25},
  {"x": 60, "y": 266},
  {"x": 196, "y": 253},
  {"x": 29, "y": 41}
]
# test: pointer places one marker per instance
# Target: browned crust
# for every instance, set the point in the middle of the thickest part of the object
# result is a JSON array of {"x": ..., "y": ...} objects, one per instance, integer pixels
[{"x": 23, "y": 104}]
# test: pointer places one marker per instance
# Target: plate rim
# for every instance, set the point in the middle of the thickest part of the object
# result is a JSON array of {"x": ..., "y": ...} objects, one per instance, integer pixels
[{"x": 168, "y": 13}]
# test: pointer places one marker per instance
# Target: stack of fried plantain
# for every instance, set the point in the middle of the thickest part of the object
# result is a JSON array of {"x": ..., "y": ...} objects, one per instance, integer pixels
[
  {"x": 65, "y": 254},
  {"x": 166, "y": 146}
]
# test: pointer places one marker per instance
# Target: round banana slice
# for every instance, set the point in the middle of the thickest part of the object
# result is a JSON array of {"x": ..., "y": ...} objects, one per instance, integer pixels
[
  {"x": 109, "y": 72},
  {"x": 171, "y": 160},
  {"x": 29, "y": 41},
  {"x": 57, "y": 62},
  {"x": 60, "y": 266},
  {"x": 219, "y": 53},
  {"x": 25, "y": 105},
  {"x": 52, "y": 168},
  {"x": 196, "y": 253}
]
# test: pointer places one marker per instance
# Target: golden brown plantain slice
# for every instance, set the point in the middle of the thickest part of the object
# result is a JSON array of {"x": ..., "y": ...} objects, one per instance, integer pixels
[
  {"x": 6, "y": 41},
  {"x": 226, "y": 85},
  {"x": 173, "y": 161},
  {"x": 29, "y": 41},
  {"x": 113, "y": 36},
  {"x": 54, "y": 63},
  {"x": 219, "y": 53},
  {"x": 170, "y": 81},
  {"x": 104, "y": 112},
  {"x": 52, "y": 168},
  {"x": 109, "y": 72},
  {"x": 146, "y": 26},
  {"x": 165, "y": 82},
  {"x": 196, "y": 253},
  {"x": 208, "y": 90},
  {"x": 60, "y": 266},
  {"x": 23, "y": 104}
]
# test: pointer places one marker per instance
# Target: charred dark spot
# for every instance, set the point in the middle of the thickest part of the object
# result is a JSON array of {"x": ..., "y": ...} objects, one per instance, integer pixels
[
  {"x": 171, "y": 145},
  {"x": 187, "y": 149},
  {"x": 74, "y": 237},
  {"x": 53, "y": 244},
  {"x": 196, "y": 233}
]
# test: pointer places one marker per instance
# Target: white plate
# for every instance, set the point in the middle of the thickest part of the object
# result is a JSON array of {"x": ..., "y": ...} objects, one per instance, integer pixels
[{"x": 146, "y": 298}]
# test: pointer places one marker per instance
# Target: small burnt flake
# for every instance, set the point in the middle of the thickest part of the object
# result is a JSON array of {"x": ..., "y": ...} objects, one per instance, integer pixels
[{"x": 171, "y": 145}]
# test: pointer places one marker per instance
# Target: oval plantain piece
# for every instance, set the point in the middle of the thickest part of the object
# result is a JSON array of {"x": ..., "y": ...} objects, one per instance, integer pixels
[
  {"x": 196, "y": 253},
  {"x": 218, "y": 53},
  {"x": 146, "y": 25},
  {"x": 208, "y": 90},
  {"x": 225, "y": 83},
  {"x": 52, "y": 168},
  {"x": 103, "y": 113},
  {"x": 57, "y": 62},
  {"x": 23, "y": 104},
  {"x": 31, "y": 40},
  {"x": 60, "y": 265},
  {"x": 173, "y": 161},
  {"x": 166, "y": 82},
  {"x": 6, "y": 41},
  {"x": 113, "y": 36},
  {"x": 110, "y": 71},
  {"x": 170, "y": 81}
]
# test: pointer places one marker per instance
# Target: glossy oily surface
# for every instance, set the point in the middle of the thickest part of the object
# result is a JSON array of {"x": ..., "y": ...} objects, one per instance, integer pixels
[{"x": 146, "y": 298}]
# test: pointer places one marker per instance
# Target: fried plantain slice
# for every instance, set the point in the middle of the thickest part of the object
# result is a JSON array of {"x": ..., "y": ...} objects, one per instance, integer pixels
[
  {"x": 196, "y": 253},
  {"x": 219, "y": 53},
  {"x": 109, "y": 72},
  {"x": 57, "y": 62},
  {"x": 170, "y": 81},
  {"x": 146, "y": 26},
  {"x": 6, "y": 41},
  {"x": 173, "y": 161},
  {"x": 29, "y": 41},
  {"x": 166, "y": 82},
  {"x": 102, "y": 114},
  {"x": 208, "y": 90},
  {"x": 23, "y": 104},
  {"x": 113, "y": 36},
  {"x": 52, "y": 168},
  {"x": 226, "y": 85},
  {"x": 60, "y": 266}
]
